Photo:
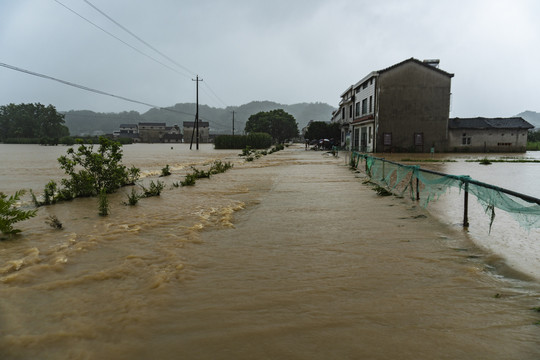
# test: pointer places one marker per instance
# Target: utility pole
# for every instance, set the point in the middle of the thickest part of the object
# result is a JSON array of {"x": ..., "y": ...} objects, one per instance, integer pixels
[
  {"x": 196, "y": 124},
  {"x": 233, "y": 123}
]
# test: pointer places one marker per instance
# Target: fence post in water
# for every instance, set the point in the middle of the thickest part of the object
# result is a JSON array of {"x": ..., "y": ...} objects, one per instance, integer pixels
[
  {"x": 382, "y": 159},
  {"x": 466, "y": 206},
  {"x": 417, "y": 189}
]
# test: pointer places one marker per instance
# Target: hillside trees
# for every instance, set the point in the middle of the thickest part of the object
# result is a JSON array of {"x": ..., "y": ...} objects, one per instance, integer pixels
[
  {"x": 278, "y": 123},
  {"x": 31, "y": 121}
]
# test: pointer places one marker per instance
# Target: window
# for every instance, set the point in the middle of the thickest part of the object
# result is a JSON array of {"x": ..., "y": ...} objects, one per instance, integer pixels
[
  {"x": 371, "y": 103},
  {"x": 357, "y": 110},
  {"x": 418, "y": 139},
  {"x": 369, "y": 134},
  {"x": 465, "y": 140},
  {"x": 343, "y": 113},
  {"x": 387, "y": 139},
  {"x": 364, "y": 85},
  {"x": 350, "y": 111},
  {"x": 364, "y": 106}
]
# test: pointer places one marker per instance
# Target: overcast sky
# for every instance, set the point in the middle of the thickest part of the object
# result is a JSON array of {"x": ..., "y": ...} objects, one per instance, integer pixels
[{"x": 287, "y": 51}]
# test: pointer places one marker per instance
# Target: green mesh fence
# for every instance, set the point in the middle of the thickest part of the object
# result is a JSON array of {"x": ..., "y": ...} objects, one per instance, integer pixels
[{"x": 427, "y": 186}]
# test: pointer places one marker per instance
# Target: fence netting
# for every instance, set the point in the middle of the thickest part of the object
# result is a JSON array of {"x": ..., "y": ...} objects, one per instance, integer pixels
[{"x": 427, "y": 186}]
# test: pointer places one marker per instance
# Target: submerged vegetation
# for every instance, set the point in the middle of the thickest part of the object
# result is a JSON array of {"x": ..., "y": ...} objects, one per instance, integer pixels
[
  {"x": 486, "y": 161},
  {"x": 11, "y": 214},
  {"x": 253, "y": 140},
  {"x": 216, "y": 168},
  {"x": 91, "y": 172}
]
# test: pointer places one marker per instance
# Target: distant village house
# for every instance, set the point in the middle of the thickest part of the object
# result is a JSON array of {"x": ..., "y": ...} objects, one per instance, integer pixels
[
  {"x": 204, "y": 131},
  {"x": 150, "y": 132},
  {"x": 488, "y": 134}
]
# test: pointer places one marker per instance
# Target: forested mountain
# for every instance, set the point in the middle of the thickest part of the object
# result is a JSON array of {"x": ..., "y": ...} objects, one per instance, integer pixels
[
  {"x": 532, "y": 117},
  {"x": 82, "y": 122}
]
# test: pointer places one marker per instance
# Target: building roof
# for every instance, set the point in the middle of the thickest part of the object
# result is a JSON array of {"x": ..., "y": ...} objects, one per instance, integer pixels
[
  {"x": 151, "y": 124},
  {"x": 129, "y": 126},
  {"x": 489, "y": 123},
  {"x": 422, "y": 63},
  {"x": 192, "y": 124},
  {"x": 426, "y": 63}
]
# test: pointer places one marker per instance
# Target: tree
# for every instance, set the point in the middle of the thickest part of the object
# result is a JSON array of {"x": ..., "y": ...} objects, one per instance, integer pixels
[
  {"x": 322, "y": 130},
  {"x": 533, "y": 136},
  {"x": 31, "y": 121},
  {"x": 278, "y": 123},
  {"x": 101, "y": 170}
]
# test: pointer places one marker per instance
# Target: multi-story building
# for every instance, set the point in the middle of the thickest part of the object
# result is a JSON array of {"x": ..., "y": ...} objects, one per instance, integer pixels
[
  {"x": 404, "y": 107},
  {"x": 204, "y": 131}
]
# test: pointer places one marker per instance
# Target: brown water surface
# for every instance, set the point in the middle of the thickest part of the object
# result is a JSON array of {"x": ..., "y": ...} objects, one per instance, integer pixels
[{"x": 289, "y": 256}]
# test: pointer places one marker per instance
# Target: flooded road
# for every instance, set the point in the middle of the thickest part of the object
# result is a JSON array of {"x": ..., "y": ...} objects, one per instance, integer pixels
[{"x": 289, "y": 256}]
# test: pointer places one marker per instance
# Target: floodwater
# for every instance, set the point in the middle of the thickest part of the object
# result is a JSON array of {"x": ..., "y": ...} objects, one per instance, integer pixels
[
  {"x": 516, "y": 248},
  {"x": 289, "y": 256}
]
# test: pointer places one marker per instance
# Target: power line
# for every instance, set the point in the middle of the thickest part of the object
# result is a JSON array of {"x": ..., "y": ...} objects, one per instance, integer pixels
[
  {"x": 82, "y": 87},
  {"x": 138, "y": 38},
  {"x": 122, "y": 41},
  {"x": 215, "y": 95},
  {"x": 212, "y": 92}
]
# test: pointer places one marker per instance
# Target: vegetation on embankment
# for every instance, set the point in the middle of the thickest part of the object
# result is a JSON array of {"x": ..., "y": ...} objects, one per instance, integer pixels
[{"x": 253, "y": 140}]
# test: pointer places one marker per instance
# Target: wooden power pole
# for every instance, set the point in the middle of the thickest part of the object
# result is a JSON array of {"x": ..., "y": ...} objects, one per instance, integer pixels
[{"x": 196, "y": 124}]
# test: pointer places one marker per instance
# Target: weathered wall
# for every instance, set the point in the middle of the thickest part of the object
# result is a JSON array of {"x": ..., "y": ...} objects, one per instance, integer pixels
[
  {"x": 413, "y": 99},
  {"x": 488, "y": 140}
]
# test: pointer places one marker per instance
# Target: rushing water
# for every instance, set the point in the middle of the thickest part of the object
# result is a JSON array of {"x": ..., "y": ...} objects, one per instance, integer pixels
[{"x": 288, "y": 256}]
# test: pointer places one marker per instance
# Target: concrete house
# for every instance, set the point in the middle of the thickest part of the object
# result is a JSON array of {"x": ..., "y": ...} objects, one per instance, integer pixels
[
  {"x": 128, "y": 131},
  {"x": 151, "y": 132},
  {"x": 204, "y": 131},
  {"x": 172, "y": 135},
  {"x": 404, "y": 107},
  {"x": 488, "y": 134}
]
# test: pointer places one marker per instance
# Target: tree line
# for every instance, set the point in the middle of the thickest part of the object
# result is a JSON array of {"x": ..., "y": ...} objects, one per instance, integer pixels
[{"x": 37, "y": 121}]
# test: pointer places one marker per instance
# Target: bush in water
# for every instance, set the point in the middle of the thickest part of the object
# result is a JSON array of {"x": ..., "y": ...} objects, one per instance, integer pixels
[{"x": 10, "y": 214}]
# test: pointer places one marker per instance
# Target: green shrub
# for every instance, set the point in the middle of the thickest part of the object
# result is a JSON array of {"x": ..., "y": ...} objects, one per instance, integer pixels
[
  {"x": 10, "y": 214},
  {"x": 166, "y": 171},
  {"x": 254, "y": 140},
  {"x": 90, "y": 172},
  {"x": 219, "y": 167},
  {"x": 49, "y": 193},
  {"x": 103, "y": 203},
  {"x": 189, "y": 180},
  {"x": 201, "y": 174},
  {"x": 133, "y": 198},
  {"x": 154, "y": 189}
]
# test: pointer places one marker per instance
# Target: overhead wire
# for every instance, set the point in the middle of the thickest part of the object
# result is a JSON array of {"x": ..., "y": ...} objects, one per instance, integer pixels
[
  {"x": 206, "y": 85},
  {"x": 122, "y": 41},
  {"x": 82, "y": 87},
  {"x": 138, "y": 38}
]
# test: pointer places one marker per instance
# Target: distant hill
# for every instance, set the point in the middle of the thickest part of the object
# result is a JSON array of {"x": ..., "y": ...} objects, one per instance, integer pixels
[
  {"x": 532, "y": 117},
  {"x": 81, "y": 122}
]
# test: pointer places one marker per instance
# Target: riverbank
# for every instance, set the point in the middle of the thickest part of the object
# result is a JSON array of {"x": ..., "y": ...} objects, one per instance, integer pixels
[{"x": 288, "y": 256}]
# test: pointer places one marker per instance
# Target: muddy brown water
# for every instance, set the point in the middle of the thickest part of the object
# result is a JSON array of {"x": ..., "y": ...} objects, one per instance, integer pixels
[{"x": 290, "y": 256}]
